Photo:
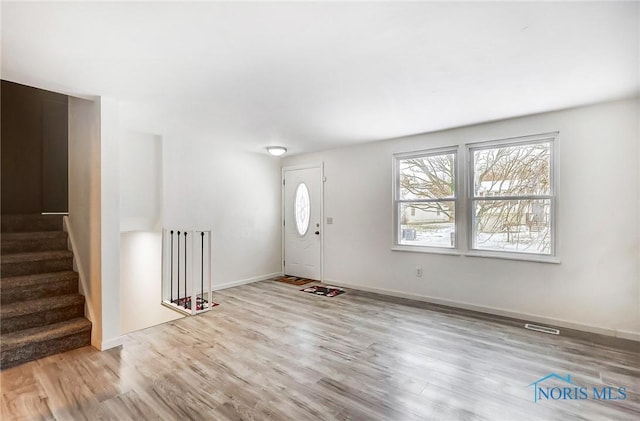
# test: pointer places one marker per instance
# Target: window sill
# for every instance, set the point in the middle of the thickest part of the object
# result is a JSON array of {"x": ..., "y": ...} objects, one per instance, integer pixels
[
  {"x": 430, "y": 250},
  {"x": 481, "y": 254},
  {"x": 513, "y": 256}
]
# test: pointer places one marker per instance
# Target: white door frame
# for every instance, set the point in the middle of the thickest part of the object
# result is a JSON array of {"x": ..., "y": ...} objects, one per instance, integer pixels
[{"x": 322, "y": 224}]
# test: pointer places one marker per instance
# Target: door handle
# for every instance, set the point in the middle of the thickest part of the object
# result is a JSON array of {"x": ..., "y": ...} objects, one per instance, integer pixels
[{"x": 317, "y": 232}]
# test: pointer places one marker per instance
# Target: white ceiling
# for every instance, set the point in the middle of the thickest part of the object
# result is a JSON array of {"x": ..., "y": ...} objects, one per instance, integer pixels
[{"x": 317, "y": 75}]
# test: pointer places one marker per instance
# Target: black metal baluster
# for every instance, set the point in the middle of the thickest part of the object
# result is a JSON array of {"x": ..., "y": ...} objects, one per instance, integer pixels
[
  {"x": 171, "y": 265},
  {"x": 178, "y": 299},
  {"x": 202, "y": 269},
  {"x": 185, "y": 270}
]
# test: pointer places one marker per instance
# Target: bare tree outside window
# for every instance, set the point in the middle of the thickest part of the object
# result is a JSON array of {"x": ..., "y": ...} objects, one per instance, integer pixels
[
  {"x": 512, "y": 198},
  {"x": 426, "y": 200},
  {"x": 510, "y": 205}
]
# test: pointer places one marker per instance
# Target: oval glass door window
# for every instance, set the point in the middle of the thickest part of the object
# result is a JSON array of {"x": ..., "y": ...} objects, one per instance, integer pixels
[{"x": 302, "y": 208}]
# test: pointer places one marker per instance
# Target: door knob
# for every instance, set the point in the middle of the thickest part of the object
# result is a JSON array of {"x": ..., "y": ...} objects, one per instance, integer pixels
[{"x": 317, "y": 232}]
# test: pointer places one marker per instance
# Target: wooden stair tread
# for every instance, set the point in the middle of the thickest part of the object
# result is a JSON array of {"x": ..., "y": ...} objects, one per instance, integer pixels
[
  {"x": 22, "y": 308},
  {"x": 36, "y": 279},
  {"x": 36, "y": 256},
  {"x": 13, "y": 340}
]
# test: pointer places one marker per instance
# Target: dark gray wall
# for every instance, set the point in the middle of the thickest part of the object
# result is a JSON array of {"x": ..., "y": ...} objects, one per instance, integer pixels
[{"x": 34, "y": 150}]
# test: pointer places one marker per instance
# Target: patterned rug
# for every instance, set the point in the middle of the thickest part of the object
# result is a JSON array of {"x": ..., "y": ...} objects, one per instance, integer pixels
[
  {"x": 186, "y": 303},
  {"x": 324, "y": 291},
  {"x": 293, "y": 280}
]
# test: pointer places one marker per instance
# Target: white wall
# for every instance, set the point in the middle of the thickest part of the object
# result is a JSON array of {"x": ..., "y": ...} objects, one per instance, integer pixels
[
  {"x": 236, "y": 194},
  {"x": 84, "y": 204},
  {"x": 141, "y": 233},
  {"x": 202, "y": 185},
  {"x": 140, "y": 182},
  {"x": 596, "y": 286},
  {"x": 94, "y": 133},
  {"x": 110, "y": 135},
  {"x": 140, "y": 281}
]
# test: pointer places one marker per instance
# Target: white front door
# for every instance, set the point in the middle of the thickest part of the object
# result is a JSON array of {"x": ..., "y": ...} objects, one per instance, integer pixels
[{"x": 302, "y": 222}]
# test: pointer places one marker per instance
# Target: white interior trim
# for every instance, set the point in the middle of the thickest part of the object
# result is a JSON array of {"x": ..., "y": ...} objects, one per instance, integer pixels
[
  {"x": 111, "y": 343},
  {"x": 468, "y": 168},
  {"x": 319, "y": 165},
  {"x": 525, "y": 257},
  {"x": 245, "y": 281},
  {"x": 627, "y": 334}
]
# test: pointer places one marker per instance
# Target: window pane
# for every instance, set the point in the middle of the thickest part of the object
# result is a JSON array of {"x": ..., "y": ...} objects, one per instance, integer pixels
[
  {"x": 427, "y": 224},
  {"x": 302, "y": 208},
  {"x": 512, "y": 225},
  {"x": 512, "y": 170},
  {"x": 428, "y": 177}
]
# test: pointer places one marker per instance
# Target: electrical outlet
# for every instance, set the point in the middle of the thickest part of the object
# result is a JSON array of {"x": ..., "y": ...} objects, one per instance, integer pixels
[{"x": 419, "y": 272}]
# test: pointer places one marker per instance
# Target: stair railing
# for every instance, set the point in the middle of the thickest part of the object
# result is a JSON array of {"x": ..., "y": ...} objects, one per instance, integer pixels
[{"x": 186, "y": 272}]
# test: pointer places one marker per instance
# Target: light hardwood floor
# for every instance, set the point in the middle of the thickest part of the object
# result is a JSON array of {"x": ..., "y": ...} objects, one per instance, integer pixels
[{"x": 271, "y": 352}]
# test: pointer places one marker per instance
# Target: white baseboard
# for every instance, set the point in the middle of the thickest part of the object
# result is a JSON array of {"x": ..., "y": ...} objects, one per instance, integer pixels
[
  {"x": 627, "y": 334},
  {"x": 245, "y": 281},
  {"x": 111, "y": 343},
  {"x": 634, "y": 336}
]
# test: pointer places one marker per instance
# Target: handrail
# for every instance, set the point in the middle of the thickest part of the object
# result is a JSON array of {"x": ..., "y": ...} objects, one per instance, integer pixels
[{"x": 192, "y": 270}]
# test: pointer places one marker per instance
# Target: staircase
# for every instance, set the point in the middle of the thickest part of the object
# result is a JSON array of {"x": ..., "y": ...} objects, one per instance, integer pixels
[{"x": 41, "y": 312}]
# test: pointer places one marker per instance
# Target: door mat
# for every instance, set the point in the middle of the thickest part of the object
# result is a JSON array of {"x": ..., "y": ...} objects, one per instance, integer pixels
[
  {"x": 325, "y": 291},
  {"x": 186, "y": 303},
  {"x": 293, "y": 280}
]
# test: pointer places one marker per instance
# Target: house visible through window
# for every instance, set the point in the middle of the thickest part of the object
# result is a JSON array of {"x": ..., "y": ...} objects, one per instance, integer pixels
[
  {"x": 512, "y": 197},
  {"x": 426, "y": 198},
  {"x": 510, "y": 205}
]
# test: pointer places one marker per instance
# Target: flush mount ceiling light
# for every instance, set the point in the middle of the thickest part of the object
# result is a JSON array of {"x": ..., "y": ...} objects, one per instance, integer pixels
[{"x": 277, "y": 150}]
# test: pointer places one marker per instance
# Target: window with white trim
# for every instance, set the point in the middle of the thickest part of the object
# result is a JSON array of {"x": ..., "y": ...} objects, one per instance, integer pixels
[
  {"x": 510, "y": 205},
  {"x": 425, "y": 199},
  {"x": 302, "y": 209},
  {"x": 512, "y": 201}
]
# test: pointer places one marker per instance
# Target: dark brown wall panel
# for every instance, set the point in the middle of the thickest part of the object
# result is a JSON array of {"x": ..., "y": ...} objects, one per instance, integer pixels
[
  {"x": 55, "y": 151},
  {"x": 34, "y": 150}
]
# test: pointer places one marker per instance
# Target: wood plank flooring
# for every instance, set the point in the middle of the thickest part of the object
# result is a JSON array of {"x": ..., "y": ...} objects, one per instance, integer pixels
[{"x": 271, "y": 352}]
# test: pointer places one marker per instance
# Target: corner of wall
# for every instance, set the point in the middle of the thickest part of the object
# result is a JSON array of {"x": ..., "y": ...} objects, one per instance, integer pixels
[
  {"x": 80, "y": 267},
  {"x": 83, "y": 222}
]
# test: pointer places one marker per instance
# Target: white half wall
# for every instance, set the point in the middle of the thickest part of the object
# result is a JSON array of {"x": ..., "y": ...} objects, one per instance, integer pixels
[
  {"x": 596, "y": 285},
  {"x": 209, "y": 184},
  {"x": 201, "y": 185},
  {"x": 140, "y": 281},
  {"x": 141, "y": 233}
]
